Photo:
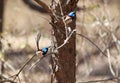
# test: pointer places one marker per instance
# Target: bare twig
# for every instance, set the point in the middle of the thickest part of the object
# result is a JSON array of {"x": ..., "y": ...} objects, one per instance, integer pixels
[
  {"x": 66, "y": 30},
  {"x": 19, "y": 79},
  {"x": 41, "y": 58},
  {"x": 114, "y": 38},
  {"x": 36, "y": 62},
  {"x": 41, "y": 3},
  {"x": 66, "y": 40},
  {"x": 102, "y": 80},
  {"x": 16, "y": 75},
  {"x": 92, "y": 43},
  {"x": 5, "y": 80},
  {"x": 110, "y": 64}
]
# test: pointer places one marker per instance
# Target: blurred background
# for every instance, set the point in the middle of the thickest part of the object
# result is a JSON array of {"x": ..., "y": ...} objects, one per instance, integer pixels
[{"x": 22, "y": 19}]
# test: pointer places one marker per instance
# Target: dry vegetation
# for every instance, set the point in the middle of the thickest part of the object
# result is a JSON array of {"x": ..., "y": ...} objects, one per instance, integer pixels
[{"x": 100, "y": 22}]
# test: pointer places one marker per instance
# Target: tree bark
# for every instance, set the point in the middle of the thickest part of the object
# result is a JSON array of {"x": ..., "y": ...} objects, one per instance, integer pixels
[
  {"x": 64, "y": 62},
  {"x": 66, "y": 55}
]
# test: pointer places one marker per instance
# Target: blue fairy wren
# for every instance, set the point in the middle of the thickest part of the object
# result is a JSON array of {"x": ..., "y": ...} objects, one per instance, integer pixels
[
  {"x": 44, "y": 50},
  {"x": 70, "y": 16},
  {"x": 42, "y": 53}
]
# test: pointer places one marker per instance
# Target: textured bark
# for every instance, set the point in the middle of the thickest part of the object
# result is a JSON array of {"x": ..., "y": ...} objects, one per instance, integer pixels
[
  {"x": 64, "y": 64},
  {"x": 67, "y": 54}
]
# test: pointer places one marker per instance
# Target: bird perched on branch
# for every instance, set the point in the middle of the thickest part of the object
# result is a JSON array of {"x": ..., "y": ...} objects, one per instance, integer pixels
[
  {"x": 70, "y": 16},
  {"x": 44, "y": 50}
]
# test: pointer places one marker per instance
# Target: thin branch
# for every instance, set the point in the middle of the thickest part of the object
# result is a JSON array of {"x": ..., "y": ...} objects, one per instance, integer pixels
[
  {"x": 19, "y": 79},
  {"x": 102, "y": 80},
  {"x": 66, "y": 30},
  {"x": 66, "y": 40},
  {"x": 110, "y": 64},
  {"x": 41, "y": 3},
  {"x": 92, "y": 43},
  {"x": 8, "y": 65},
  {"x": 26, "y": 64},
  {"x": 16, "y": 75},
  {"x": 41, "y": 58},
  {"x": 36, "y": 62},
  {"x": 6, "y": 80}
]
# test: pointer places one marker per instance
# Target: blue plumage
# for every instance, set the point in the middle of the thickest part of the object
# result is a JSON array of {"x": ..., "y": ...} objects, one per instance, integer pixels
[
  {"x": 44, "y": 50},
  {"x": 70, "y": 17},
  {"x": 71, "y": 14}
]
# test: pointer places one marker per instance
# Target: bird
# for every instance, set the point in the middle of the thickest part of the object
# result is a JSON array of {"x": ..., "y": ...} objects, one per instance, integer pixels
[
  {"x": 44, "y": 50},
  {"x": 70, "y": 16}
]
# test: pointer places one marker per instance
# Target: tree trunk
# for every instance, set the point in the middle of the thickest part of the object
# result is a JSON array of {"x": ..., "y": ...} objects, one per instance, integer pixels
[
  {"x": 66, "y": 56},
  {"x": 1, "y": 19},
  {"x": 64, "y": 62}
]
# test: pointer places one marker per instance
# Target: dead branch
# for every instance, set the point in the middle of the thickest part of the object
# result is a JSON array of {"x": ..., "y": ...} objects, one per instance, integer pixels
[
  {"x": 17, "y": 75},
  {"x": 109, "y": 62},
  {"x": 102, "y": 80},
  {"x": 92, "y": 43},
  {"x": 4, "y": 80},
  {"x": 41, "y": 3}
]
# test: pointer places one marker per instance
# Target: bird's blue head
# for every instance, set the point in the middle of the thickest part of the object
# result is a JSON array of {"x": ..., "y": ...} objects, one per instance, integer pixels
[
  {"x": 44, "y": 50},
  {"x": 72, "y": 14}
]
